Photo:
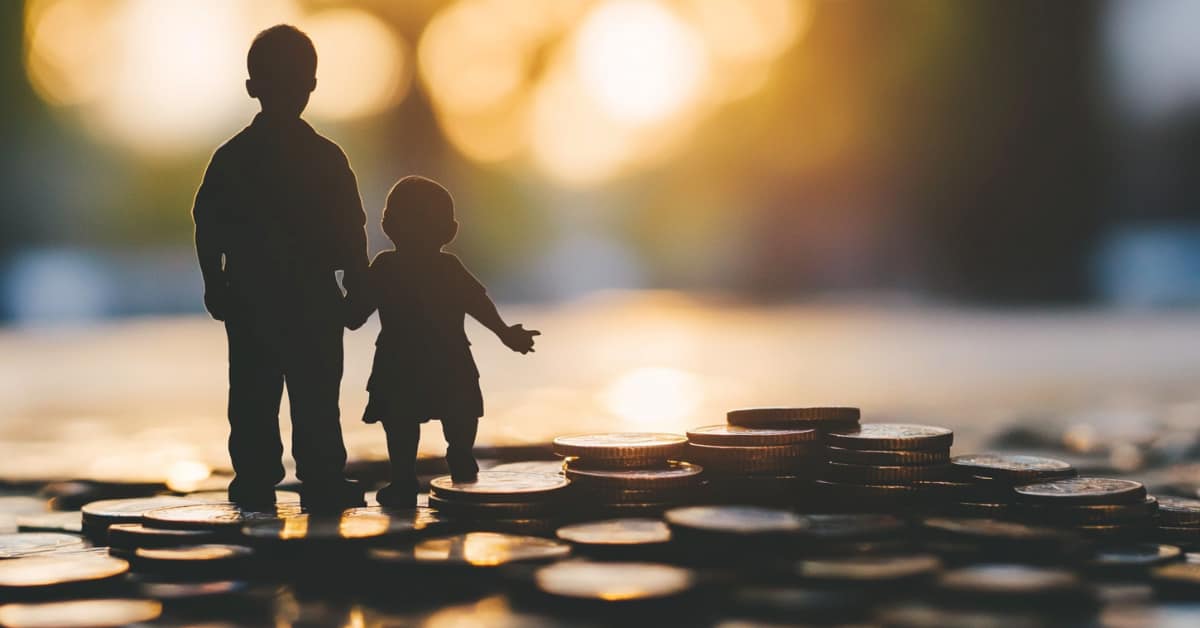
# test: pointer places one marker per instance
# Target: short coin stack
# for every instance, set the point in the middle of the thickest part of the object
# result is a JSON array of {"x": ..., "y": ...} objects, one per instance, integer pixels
[
  {"x": 878, "y": 464},
  {"x": 506, "y": 499},
  {"x": 1099, "y": 508},
  {"x": 982, "y": 485},
  {"x": 627, "y": 473},
  {"x": 1178, "y": 522},
  {"x": 766, "y": 455}
]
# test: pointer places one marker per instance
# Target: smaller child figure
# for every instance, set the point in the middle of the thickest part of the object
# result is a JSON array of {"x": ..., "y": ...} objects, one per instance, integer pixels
[{"x": 423, "y": 367}]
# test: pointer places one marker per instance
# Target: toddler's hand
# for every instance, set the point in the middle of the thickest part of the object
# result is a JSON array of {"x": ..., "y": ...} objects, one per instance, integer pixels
[{"x": 519, "y": 339}]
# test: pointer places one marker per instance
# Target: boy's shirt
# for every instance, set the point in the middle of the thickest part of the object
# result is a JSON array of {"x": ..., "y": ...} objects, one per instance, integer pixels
[{"x": 281, "y": 203}]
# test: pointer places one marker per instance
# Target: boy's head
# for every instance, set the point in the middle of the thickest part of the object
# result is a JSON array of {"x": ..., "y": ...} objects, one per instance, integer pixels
[
  {"x": 283, "y": 70},
  {"x": 419, "y": 214}
]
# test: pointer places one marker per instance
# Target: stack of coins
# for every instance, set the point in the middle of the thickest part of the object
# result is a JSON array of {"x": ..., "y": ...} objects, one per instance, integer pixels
[
  {"x": 877, "y": 465},
  {"x": 1178, "y": 522},
  {"x": 1099, "y": 508},
  {"x": 626, "y": 473},
  {"x": 981, "y": 484},
  {"x": 757, "y": 465},
  {"x": 501, "y": 500}
]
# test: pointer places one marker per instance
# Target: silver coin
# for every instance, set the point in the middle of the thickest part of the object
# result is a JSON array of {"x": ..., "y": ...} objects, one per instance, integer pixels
[
  {"x": 80, "y": 613},
  {"x": 1138, "y": 555},
  {"x": 475, "y": 549},
  {"x": 30, "y": 543},
  {"x": 631, "y": 531},
  {"x": 735, "y": 519},
  {"x": 613, "y": 582}
]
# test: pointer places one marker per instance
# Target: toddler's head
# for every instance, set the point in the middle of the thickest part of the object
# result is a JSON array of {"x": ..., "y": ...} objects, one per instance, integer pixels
[{"x": 419, "y": 215}]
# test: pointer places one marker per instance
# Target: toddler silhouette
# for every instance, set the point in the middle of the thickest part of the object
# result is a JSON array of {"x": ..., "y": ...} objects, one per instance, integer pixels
[{"x": 423, "y": 367}]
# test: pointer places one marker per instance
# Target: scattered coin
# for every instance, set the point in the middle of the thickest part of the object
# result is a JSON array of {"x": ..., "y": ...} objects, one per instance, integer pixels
[
  {"x": 70, "y": 521},
  {"x": 500, "y": 486},
  {"x": 192, "y": 558},
  {"x": 1009, "y": 580},
  {"x": 735, "y": 520},
  {"x": 866, "y": 474},
  {"x": 891, "y": 436},
  {"x": 621, "y": 445},
  {"x": 845, "y": 527},
  {"x": 219, "y": 515},
  {"x": 994, "y": 530},
  {"x": 736, "y": 435},
  {"x": 109, "y": 511},
  {"x": 1179, "y": 511},
  {"x": 624, "y": 532},
  {"x": 862, "y": 569},
  {"x": 21, "y": 577},
  {"x": 1012, "y": 468},
  {"x": 1084, "y": 490},
  {"x": 1051, "y": 513},
  {"x": 888, "y": 458},
  {"x": 671, "y": 475},
  {"x": 171, "y": 591},
  {"x": 80, "y": 613},
  {"x": 613, "y": 582},
  {"x": 29, "y": 543},
  {"x": 531, "y": 466},
  {"x": 129, "y": 536},
  {"x": 1180, "y": 576},
  {"x": 1139, "y": 555},
  {"x": 756, "y": 417},
  {"x": 474, "y": 549}
]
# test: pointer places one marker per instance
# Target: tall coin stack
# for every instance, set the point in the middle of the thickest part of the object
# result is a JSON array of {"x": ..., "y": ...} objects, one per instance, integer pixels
[
  {"x": 877, "y": 465},
  {"x": 627, "y": 473},
  {"x": 768, "y": 456},
  {"x": 1104, "y": 509}
]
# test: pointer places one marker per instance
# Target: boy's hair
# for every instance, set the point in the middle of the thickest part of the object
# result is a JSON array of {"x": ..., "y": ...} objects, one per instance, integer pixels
[
  {"x": 419, "y": 211},
  {"x": 282, "y": 52}
]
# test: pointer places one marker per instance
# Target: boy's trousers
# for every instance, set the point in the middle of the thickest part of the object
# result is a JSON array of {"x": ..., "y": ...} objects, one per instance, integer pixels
[{"x": 262, "y": 358}]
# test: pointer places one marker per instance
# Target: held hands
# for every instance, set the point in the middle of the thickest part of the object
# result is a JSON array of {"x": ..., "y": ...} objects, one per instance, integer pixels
[
  {"x": 519, "y": 339},
  {"x": 216, "y": 300}
]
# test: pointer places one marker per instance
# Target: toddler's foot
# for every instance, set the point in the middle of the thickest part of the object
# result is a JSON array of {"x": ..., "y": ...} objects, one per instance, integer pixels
[{"x": 393, "y": 496}]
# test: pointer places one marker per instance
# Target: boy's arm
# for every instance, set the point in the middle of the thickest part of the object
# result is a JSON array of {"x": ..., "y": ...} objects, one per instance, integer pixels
[
  {"x": 360, "y": 303},
  {"x": 208, "y": 212},
  {"x": 352, "y": 224}
]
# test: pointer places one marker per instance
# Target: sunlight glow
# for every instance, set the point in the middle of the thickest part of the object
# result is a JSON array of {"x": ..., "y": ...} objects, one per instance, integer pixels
[
  {"x": 651, "y": 395},
  {"x": 184, "y": 476},
  {"x": 362, "y": 66}
]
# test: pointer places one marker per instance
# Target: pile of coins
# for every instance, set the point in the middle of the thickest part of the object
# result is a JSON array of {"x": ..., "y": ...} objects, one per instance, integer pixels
[
  {"x": 981, "y": 485},
  {"x": 503, "y": 499},
  {"x": 876, "y": 466},
  {"x": 768, "y": 456},
  {"x": 627, "y": 473}
]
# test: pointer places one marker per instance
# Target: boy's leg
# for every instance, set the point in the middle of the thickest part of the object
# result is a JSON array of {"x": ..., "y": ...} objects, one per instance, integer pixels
[
  {"x": 314, "y": 375},
  {"x": 460, "y": 441},
  {"x": 402, "y": 438},
  {"x": 255, "y": 389}
]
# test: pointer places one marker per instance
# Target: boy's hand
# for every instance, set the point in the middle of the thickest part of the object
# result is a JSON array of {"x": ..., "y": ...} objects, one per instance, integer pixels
[
  {"x": 519, "y": 339},
  {"x": 216, "y": 300}
]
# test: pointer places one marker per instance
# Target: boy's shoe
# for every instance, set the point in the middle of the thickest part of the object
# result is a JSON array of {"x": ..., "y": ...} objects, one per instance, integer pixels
[
  {"x": 393, "y": 496},
  {"x": 331, "y": 496},
  {"x": 256, "y": 499}
]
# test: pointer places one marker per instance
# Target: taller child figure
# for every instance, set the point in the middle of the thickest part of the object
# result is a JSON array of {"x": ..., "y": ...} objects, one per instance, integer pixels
[{"x": 277, "y": 214}]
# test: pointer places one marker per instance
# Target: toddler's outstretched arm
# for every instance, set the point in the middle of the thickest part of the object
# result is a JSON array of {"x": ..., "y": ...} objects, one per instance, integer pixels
[{"x": 515, "y": 337}]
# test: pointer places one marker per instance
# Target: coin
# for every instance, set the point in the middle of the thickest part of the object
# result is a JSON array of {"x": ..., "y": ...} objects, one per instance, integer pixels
[
  {"x": 421, "y": 518},
  {"x": 888, "y": 458},
  {"x": 170, "y": 591},
  {"x": 1180, "y": 576},
  {"x": 219, "y": 515},
  {"x": 134, "y": 535},
  {"x": 993, "y": 530},
  {"x": 1179, "y": 511},
  {"x": 80, "y": 613},
  {"x": 500, "y": 486},
  {"x": 191, "y": 559},
  {"x": 1084, "y": 490},
  {"x": 1138, "y": 555},
  {"x": 844, "y": 527},
  {"x": 735, "y": 520},
  {"x": 59, "y": 521},
  {"x": 858, "y": 473},
  {"x": 613, "y": 582},
  {"x": 1090, "y": 513},
  {"x": 491, "y": 510},
  {"x": 531, "y": 466},
  {"x": 1009, "y": 580},
  {"x": 109, "y": 511},
  {"x": 28, "y": 543},
  {"x": 353, "y": 525},
  {"x": 757, "y": 417},
  {"x": 621, "y": 445},
  {"x": 624, "y": 532},
  {"x": 474, "y": 549},
  {"x": 206, "y": 497},
  {"x": 22, "y": 576},
  {"x": 736, "y": 435},
  {"x": 890, "y": 436},
  {"x": 742, "y": 460},
  {"x": 864, "y": 569},
  {"x": 671, "y": 475},
  {"x": 1015, "y": 469}
]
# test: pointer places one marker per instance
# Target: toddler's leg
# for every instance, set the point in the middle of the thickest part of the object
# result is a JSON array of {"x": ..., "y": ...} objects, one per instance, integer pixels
[
  {"x": 460, "y": 440},
  {"x": 402, "y": 439}
]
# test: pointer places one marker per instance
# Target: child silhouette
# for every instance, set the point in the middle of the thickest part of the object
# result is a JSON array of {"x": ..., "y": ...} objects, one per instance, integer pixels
[{"x": 423, "y": 367}]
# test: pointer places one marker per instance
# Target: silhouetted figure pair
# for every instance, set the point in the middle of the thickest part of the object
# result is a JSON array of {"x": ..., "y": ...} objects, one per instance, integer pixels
[{"x": 278, "y": 213}]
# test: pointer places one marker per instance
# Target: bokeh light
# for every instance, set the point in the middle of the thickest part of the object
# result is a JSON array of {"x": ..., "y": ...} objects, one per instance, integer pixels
[{"x": 363, "y": 67}]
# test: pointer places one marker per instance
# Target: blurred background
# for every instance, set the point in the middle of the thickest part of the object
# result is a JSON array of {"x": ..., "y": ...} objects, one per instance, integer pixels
[{"x": 921, "y": 206}]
